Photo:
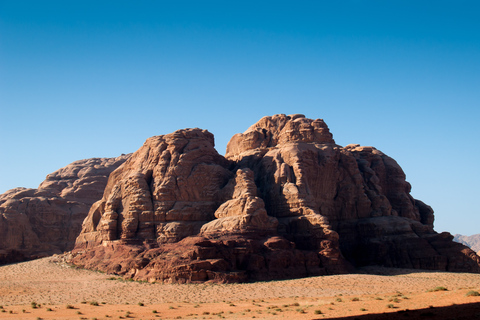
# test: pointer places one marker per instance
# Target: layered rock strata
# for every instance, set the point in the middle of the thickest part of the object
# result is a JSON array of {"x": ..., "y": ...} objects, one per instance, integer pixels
[
  {"x": 44, "y": 221},
  {"x": 285, "y": 201}
]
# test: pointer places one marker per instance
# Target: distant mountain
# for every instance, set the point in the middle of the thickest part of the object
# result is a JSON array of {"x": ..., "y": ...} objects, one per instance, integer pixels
[{"x": 470, "y": 241}]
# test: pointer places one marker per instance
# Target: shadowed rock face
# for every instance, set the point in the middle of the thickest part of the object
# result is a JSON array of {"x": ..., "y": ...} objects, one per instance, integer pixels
[
  {"x": 41, "y": 222},
  {"x": 285, "y": 201}
]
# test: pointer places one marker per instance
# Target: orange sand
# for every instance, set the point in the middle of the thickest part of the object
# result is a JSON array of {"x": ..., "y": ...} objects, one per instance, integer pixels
[{"x": 64, "y": 292}]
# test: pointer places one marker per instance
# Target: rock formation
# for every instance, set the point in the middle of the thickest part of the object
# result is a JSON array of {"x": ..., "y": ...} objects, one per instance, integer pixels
[
  {"x": 285, "y": 201},
  {"x": 41, "y": 222}
]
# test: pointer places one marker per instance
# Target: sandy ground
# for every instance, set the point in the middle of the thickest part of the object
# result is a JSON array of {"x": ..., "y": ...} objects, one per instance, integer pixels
[{"x": 64, "y": 292}]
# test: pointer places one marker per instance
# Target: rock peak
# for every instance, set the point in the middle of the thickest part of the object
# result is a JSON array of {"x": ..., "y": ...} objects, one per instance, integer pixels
[{"x": 279, "y": 129}]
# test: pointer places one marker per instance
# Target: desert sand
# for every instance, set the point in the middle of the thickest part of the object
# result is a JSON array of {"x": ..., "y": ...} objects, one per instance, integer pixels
[{"x": 50, "y": 289}]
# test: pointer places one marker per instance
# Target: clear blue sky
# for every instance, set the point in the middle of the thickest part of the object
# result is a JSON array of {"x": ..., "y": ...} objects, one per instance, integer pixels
[{"x": 81, "y": 79}]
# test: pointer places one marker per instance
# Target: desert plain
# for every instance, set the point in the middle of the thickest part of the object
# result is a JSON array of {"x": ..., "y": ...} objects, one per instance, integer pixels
[{"x": 48, "y": 288}]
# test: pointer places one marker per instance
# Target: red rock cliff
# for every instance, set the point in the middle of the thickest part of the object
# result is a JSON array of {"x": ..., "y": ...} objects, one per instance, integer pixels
[
  {"x": 41, "y": 222},
  {"x": 285, "y": 201}
]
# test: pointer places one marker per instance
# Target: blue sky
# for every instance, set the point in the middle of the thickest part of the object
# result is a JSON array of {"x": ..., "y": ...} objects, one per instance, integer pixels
[{"x": 81, "y": 79}]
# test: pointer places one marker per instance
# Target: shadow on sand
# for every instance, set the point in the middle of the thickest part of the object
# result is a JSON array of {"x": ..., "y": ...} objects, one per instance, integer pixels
[
  {"x": 455, "y": 312},
  {"x": 389, "y": 271}
]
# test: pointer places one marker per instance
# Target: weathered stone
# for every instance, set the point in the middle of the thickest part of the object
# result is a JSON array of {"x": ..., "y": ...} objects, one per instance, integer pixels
[
  {"x": 165, "y": 192},
  {"x": 244, "y": 212},
  {"x": 41, "y": 222},
  {"x": 285, "y": 201}
]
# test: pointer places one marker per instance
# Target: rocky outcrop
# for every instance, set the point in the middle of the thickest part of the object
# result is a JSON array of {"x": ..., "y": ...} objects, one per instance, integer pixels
[
  {"x": 177, "y": 212},
  {"x": 357, "y": 193},
  {"x": 244, "y": 211},
  {"x": 285, "y": 201},
  {"x": 165, "y": 192},
  {"x": 47, "y": 220}
]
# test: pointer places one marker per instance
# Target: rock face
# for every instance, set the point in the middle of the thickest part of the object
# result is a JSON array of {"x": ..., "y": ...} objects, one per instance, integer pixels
[
  {"x": 41, "y": 222},
  {"x": 285, "y": 201}
]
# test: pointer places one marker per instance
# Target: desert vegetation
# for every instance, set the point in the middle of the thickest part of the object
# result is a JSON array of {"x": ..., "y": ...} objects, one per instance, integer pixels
[{"x": 72, "y": 293}]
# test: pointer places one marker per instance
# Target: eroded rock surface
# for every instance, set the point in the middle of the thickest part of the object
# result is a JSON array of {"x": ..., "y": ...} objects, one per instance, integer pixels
[
  {"x": 44, "y": 221},
  {"x": 285, "y": 201}
]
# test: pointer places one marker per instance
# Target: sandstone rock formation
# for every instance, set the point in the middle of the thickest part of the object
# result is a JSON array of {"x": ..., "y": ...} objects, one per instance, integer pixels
[
  {"x": 285, "y": 201},
  {"x": 47, "y": 220}
]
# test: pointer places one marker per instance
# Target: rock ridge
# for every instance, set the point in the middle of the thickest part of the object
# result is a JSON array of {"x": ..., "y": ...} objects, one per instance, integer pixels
[{"x": 41, "y": 222}]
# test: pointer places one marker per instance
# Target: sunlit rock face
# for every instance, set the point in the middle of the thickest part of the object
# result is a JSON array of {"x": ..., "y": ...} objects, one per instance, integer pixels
[
  {"x": 284, "y": 202},
  {"x": 40, "y": 222},
  {"x": 165, "y": 192}
]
